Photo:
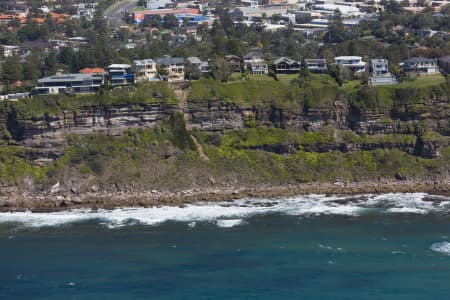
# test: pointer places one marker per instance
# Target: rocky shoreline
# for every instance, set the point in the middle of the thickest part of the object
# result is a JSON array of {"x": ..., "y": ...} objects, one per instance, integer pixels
[{"x": 49, "y": 202}]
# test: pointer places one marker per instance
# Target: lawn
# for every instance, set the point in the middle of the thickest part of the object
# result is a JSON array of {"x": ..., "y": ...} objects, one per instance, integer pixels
[
  {"x": 287, "y": 78},
  {"x": 351, "y": 86},
  {"x": 422, "y": 81},
  {"x": 321, "y": 80},
  {"x": 252, "y": 92}
]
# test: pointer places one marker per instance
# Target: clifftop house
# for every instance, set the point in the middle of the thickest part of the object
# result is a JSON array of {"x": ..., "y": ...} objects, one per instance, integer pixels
[
  {"x": 317, "y": 65},
  {"x": 354, "y": 63},
  {"x": 255, "y": 62},
  {"x": 145, "y": 70},
  {"x": 174, "y": 66},
  {"x": 420, "y": 66},
  {"x": 380, "y": 72},
  {"x": 234, "y": 62},
  {"x": 120, "y": 74},
  {"x": 284, "y": 65},
  {"x": 73, "y": 83}
]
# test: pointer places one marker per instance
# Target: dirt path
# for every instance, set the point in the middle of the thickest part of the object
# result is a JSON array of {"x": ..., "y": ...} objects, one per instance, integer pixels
[
  {"x": 199, "y": 149},
  {"x": 182, "y": 93}
]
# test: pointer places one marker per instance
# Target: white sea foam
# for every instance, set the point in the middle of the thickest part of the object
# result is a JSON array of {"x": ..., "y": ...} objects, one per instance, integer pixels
[
  {"x": 406, "y": 210},
  {"x": 443, "y": 247},
  {"x": 327, "y": 247},
  {"x": 228, "y": 214},
  {"x": 229, "y": 223}
]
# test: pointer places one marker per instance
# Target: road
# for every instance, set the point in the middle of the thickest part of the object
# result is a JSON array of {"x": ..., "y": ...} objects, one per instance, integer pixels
[{"x": 115, "y": 11}]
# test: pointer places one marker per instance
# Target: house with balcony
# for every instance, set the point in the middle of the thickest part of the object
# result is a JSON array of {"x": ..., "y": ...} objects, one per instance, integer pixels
[
  {"x": 417, "y": 66},
  {"x": 284, "y": 65},
  {"x": 173, "y": 68},
  {"x": 145, "y": 70},
  {"x": 255, "y": 62},
  {"x": 196, "y": 63},
  {"x": 205, "y": 68},
  {"x": 120, "y": 74},
  {"x": 318, "y": 65},
  {"x": 380, "y": 72},
  {"x": 69, "y": 83},
  {"x": 353, "y": 63},
  {"x": 10, "y": 50}
]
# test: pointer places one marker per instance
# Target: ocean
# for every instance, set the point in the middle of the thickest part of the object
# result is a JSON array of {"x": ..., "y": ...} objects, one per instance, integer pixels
[{"x": 392, "y": 246}]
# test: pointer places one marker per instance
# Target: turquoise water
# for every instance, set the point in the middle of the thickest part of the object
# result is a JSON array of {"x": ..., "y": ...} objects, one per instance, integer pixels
[{"x": 272, "y": 254}]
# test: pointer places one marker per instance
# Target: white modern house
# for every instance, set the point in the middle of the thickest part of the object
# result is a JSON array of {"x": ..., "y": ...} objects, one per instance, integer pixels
[
  {"x": 69, "y": 83},
  {"x": 145, "y": 70},
  {"x": 354, "y": 63},
  {"x": 380, "y": 72}
]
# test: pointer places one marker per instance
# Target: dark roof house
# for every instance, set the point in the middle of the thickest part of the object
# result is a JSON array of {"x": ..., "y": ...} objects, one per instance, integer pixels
[
  {"x": 420, "y": 66},
  {"x": 167, "y": 61},
  {"x": 316, "y": 65},
  {"x": 284, "y": 65},
  {"x": 444, "y": 63}
]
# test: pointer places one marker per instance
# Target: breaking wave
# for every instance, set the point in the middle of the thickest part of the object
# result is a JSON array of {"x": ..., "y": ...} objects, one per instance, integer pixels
[
  {"x": 443, "y": 247},
  {"x": 234, "y": 213}
]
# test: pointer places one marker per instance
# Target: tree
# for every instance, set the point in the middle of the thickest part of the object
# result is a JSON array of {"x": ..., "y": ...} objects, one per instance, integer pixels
[
  {"x": 51, "y": 63},
  {"x": 336, "y": 30},
  {"x": 219, "y": 43},
  {"x": 70, "y": 30},
  {"x": 66, "y": 56},
  {"x": 155, "y": 21},
  {"x": 334, "y": 71},
  {"x": 170, "y": 21},
  {"x": 392, "y": 7},
  {"x": 234, "y": 46},
  {"x": 193, "y": 72},
  {"x": 31, "y": 67},
  {"x": 12, "y": 69},
  {"x": 221, "y": 70}
]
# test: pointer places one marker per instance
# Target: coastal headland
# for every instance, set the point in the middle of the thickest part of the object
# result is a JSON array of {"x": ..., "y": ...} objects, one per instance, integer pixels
[{"x": 161, "y": 144}]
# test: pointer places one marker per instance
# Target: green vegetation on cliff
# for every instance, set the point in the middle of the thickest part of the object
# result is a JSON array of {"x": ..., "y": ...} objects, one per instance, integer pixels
[
  {"x": 289, "y": 92},
  {"x": 252, "y": 92},
  {"x": 15, "y": 164},
  {"x": 320, "y": 91},
  {"x": 238, "y": 153},
  {"x": 165, "y": 157},
  {"x": 413, "y": 92},
  {"x": 149, "y": 93}
]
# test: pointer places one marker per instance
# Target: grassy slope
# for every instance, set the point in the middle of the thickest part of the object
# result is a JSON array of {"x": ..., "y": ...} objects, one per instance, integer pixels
[
  {"x": 318, "y": 91},
  {"x": 143, "y": 94},
  {"x": 261, "y": 90}
]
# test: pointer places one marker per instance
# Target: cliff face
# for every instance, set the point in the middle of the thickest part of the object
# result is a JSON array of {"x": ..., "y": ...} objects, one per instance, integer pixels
[
  {"x": 217, "y": 115},
  {"x": 47, "y": 134},
  {"x": 432, "y": 115}
]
